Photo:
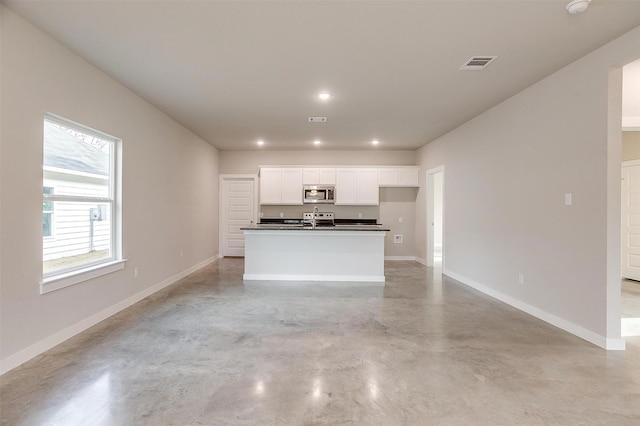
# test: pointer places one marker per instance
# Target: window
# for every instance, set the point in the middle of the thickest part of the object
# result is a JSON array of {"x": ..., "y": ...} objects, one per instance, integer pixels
[
  {"x": 79, "y": 182},
  {"x": 47, "y": 213}
]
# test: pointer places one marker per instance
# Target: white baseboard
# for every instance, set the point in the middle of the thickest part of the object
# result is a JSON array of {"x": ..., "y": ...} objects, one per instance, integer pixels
[
  {"x": 421, "y": 261},
  {"x": 19, "y": 358},
  {"x": 373, "y": 279},
  {"x": 413, "y": 258},
  {"x": 583, "y": 333}
]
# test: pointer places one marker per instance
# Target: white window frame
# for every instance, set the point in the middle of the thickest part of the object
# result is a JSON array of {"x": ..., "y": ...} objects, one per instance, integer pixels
[
  {"x": 51, "y": 216},
  {"x": 66, "y": 277}
]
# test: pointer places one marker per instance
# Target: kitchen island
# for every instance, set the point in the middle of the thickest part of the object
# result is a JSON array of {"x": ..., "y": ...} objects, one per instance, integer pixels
[{"x": 301, "y": 253}]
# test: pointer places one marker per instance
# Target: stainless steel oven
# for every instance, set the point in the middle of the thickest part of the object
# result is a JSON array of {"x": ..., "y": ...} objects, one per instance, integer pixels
[{"x": 319, "y": 194}]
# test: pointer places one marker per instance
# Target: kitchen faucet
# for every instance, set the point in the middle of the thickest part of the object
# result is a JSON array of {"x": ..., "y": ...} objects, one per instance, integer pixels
[{"x": 313, "y": 221}]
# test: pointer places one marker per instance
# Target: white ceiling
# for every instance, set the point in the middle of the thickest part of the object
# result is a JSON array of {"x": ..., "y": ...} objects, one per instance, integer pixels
[{"x": 237, "y": 71}]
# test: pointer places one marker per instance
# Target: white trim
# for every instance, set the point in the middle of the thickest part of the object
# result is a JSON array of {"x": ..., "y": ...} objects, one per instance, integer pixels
[
  {"x": 56, "y": 282},
  {"x": 421, "y": 261},
  {"x": 332, "y": 166},
  {"x": 392, "y": 258},
  {"x": 74, "y": 172},
  {"x": 430, "y": 213},
  {"x": 19, "y": 358},
  {"x": 583, "y": 333},
  {"x": 222, "y": 204},
  {"x": 630, "y": 163},
  {"x": 59, "y": 279},
  {"x": 76, "y": 198},
  {"x": 378, "y": 279}
]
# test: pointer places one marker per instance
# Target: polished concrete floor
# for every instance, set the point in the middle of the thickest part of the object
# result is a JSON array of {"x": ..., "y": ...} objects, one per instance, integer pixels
[{"x": 424, "y": 350}]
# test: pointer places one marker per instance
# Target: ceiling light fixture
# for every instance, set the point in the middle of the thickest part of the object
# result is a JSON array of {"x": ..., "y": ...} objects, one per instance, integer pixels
[
  {"x": 317, "y": 142},
  {"x": 375, "y": 142},
  {"x": 577, "y": 6},
  {"x": 260, "y": 142},
  {"x": 324, "y": 96}
]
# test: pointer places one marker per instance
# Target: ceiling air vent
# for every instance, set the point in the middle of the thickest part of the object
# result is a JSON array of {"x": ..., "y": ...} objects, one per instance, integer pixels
[
  {"x": 317, "y": 119},
  {"x": 478, "y": 63}
]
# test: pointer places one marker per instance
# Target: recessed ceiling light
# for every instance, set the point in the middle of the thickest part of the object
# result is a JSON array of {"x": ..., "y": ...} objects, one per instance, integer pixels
[
  {"x": 260, "y": 142},
  {"x": 375, "y": 142},
  {"x": 577, "y": 6},
  {"x": 317, "y": 142},
  {"x": 324, "y": 96}
]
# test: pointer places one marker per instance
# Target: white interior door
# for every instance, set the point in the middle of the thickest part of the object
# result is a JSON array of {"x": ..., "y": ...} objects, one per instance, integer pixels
[
  {"x": 238, "y": 207},
  {"x": 630, "y": 237},
  {"x": 435, "y": 217}
]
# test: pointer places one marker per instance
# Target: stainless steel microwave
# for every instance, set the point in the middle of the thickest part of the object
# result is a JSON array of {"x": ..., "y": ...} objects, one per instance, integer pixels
[{"x": 319, "y": 194}]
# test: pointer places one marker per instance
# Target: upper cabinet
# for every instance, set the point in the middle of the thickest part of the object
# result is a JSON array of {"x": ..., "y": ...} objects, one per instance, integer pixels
[
  {"x": 407, "y": 176},
  {"x": 281, "y": 186},
  {"x": 354, "y": 185},
  {"x": 357, "y": 186},
  {"x": 319, "y": 176}
]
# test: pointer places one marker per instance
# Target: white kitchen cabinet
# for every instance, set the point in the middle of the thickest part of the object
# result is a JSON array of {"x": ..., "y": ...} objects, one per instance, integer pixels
[
  {"x": 270, "y": 186},
  {"x": 388, "y": 176},
  {"x": 291, "y": 186},
  {"x": 368, "y": 189},
  {"x": 280, "y": 186},
  {"x": 404, "y": 176},
  {"x": 357, "y": 186},
  {"x": 319, "y": 176},
  {"x": 347, "y": 186}
]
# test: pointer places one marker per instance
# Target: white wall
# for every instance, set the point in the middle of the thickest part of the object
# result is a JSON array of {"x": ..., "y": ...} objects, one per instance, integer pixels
[
  {"x": 249, "y": 161},
  {"x": 170, "y": 199},
  {"x": 506, "y": 174},
  {"x": 630, "y": 145}
]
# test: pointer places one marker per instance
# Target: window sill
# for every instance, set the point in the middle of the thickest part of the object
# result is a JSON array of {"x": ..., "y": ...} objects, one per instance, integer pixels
[{"x": 57, "y": 282}]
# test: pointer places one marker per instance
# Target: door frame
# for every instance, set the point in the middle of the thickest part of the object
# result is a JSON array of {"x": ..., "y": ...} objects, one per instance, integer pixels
[
  {"x": 430, "y": 197},
  {"x": 629, "y": 163},
  {"x": 222, "y": 204}
]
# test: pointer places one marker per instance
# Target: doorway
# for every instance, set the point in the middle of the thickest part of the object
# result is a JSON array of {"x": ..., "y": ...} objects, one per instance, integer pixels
[
  {"x": 630, "y": 206},
  {"x": 238, "y": 209},
  {"x": 435, "y": 217},
  {"x": 630, "y": 249},
  {"x": 631, "y": 220}
]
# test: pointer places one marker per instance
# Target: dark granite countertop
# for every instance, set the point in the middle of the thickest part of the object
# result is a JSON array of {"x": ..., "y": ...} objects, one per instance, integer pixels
[
  {"x": 291, "y": 224},
  {"x": 288, "y": 227}
]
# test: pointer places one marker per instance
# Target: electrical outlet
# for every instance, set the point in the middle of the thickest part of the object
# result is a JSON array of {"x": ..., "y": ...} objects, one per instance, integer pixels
[
  {"x": 400, "y": 219},
  {"x": 181, "y": 253},
  {"x": 281, "y": 214},
  {"x": 520, "y": 278},
  {"x": 135, "y": 272},
  {"x": 359, "y": 215},
  {"x": 397, "y": 239}
]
